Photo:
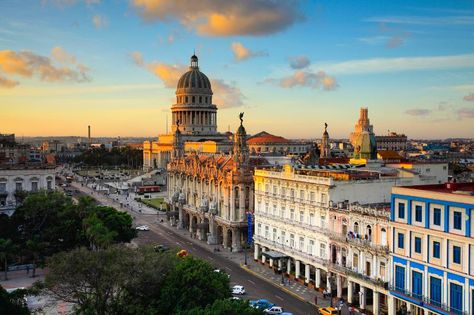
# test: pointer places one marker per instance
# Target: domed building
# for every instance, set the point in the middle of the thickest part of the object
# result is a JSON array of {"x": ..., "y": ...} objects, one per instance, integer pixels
[{"x": 196, "y": 116}]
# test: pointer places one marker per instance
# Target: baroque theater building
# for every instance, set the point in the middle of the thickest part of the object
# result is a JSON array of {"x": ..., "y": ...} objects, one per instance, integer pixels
[{"x": 209, "y": 193}]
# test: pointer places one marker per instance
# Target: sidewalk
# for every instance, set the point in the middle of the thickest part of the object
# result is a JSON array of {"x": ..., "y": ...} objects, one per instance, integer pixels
[{"x": 18, "y": 279}]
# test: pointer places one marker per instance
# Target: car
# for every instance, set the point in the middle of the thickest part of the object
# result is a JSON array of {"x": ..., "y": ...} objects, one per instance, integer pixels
[
  {"x": 160, "y": 248},
  {"x": 143, "y": 228},
  {"x": 328, "y": 311},
  {"x": 274, "y": 310},
  {"x": 218, "y": 270},
  {"x": 182, "y": 253},
  {"x": 238, "y": 289},
  {"x": 261, "y": 304}
]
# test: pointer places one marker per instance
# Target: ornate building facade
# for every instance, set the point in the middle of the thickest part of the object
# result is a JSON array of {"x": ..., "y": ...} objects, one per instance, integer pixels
[{"x": 211, "y": 194}]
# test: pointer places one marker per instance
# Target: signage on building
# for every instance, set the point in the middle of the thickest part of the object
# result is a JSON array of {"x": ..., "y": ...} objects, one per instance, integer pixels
[{"x": 249, "y": 228}]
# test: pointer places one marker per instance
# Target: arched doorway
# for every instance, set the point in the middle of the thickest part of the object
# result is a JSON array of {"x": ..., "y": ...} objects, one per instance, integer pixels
[
  {"x": 229, "y": 239},
  {"x": 220, "y": 235}
]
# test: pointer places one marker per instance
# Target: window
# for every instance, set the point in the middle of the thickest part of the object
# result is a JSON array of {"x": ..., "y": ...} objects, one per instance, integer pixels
[
  {"x": 292, "y": 214},
  {"x": 401, "y": 211},
  {"x": 259, "y": 229},
  {"x": 418, "y": 245},
  {"x": 401, "y": 240},
  {"x": 283, "y": 212},
  {"x": 283, "y": 192},
  {"x": 457, "y": 220},
  {"x": 283, "y": 237},
  {"x": 311, "y": 219},
  {"x": 417, "y": 284},
  {"x": 302, "y": 194},
  {"x": 436, "y": 249},
  {"x": 456, "y": 254},
  {"x": 356, "y": 227},
  {"x": 437, "y": 216},
  {"x": 418, "y": 214},
  {"x": 194, "y": 99},
  {"x": 301, "y": 244},
  {"x": 355, "y": 261},
  {"x": 455, "y": 298},
  {"x": 435, "y": 291},
  {"x": 274, "y": 235},
  {"x": 399, "y": 278},
  {"x": 311, "y": 196},
  {"x": 322, "y": 250},
  {"x": 301, "y": 216},
  {"x": 267, "y": 232},
  {"x": 3, "y": 187},
  {"x": 34, "y": 186},
  {"x": 310, "y": 247},
  {"x": 274, "y": 210},
  {"x": 292, "y": 240},
  {"x": 18, "y": 186},
  {"x": 382, "y": 270},
  {"x": 267, "y": 188},
  {"x": 49, "y": 185},
  {"x": 323, "y": 199},
  {"x": 292, "y": 193},
  {"x": 275, "y": 190},
  {"x": 266, "y": 208}
]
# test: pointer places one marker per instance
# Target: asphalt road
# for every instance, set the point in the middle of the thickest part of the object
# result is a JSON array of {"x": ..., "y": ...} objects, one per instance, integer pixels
[{"x": 255, "y": 287}]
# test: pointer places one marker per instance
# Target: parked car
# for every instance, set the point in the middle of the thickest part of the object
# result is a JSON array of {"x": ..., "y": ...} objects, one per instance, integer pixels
[
  {"x": 238, "y": 289},
  {"x": 261, "y": 304},
  {"x": 143, "y": 228},
  {"x": 160, "y": 248},
  {"x": 274, "y": 310},
  {"x": 328, "y": 311}
]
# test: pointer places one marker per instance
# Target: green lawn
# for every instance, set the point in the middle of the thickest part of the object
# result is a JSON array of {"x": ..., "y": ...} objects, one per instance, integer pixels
[{"x": 155, "y": 202}]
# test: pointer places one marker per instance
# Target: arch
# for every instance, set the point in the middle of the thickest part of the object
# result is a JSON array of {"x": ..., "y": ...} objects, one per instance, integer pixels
[
  {"x": 369, "y": 231},
  {"x": 383, "y": 237},
  {"x": 356, "y": 227},
  {"x": 229, "y": 239},
  {"x": 220, "y": 235}
]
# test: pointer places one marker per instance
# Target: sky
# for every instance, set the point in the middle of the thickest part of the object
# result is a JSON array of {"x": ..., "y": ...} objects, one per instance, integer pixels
[{"x": 289, "y": 65}]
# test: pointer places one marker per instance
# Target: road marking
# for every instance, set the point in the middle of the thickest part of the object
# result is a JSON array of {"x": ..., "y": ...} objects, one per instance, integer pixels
[
  {"x": 279, "y": 297},
  {"x": 251, "y": 281},
  {"x": 210, "y": 257},
  {"x": 228, "y": 268}
]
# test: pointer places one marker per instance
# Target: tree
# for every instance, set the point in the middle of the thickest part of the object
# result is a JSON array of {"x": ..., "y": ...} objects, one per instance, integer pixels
[
  {"x": 6, "y": 249},
  {"x": 118, "y": 221},
  {"x": 35, "y": 247},
  {"x": 225, "y": 307},
  {"x": 115, "y": 280},
  {"x": 97, "y": 233},
  {"x": 192, "y": 283},
  {"x": 13, "y": 303}
]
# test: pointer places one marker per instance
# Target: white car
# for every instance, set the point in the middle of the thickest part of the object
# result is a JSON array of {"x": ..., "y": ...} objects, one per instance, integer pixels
[
  {"x": 143, "y": 228},
  {"x": 274, "y": 310},
  {"x": 238, "y": 289}
]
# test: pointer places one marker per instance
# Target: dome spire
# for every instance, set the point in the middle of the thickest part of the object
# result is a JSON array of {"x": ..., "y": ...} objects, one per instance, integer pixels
[{"x": 194, "y": 61}]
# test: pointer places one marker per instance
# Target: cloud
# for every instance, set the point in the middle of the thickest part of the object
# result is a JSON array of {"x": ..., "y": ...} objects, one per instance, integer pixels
[
  {"x": 224, "y": 94},
  {"x": 307, "y": 79},
  {"x": 424, "y": 20},
  {"x": 65, "y": 3},
  {"x": 242, "y": 53},
  {"x": 223, "y": 18},
  {"x": 465, "y": 113},
  {"x": 418, "y": 112},
  {"x": 6, "y": 83},
  {"x": 374, "y": 40},
  {"x": 27, "y": 64},
  {"x": 469, "y": 97},
  {"x": 299, "y": 62},
  {"x": 100, "y": 21},
  {"x": 380, "y": 65}
]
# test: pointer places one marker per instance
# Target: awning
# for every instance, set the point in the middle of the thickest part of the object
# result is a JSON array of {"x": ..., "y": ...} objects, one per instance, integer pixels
[{"x": 274, "y": 255}]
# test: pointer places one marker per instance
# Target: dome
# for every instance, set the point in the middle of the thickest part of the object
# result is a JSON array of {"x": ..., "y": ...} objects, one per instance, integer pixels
[{"x": 194, "y": 79}]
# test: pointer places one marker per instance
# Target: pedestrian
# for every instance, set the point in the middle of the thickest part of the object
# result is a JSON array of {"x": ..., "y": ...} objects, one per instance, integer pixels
[
  {"x": 315, "y": 300},
  {"x": 27, "y": 269},
  {"x": 351, "y": 310}
]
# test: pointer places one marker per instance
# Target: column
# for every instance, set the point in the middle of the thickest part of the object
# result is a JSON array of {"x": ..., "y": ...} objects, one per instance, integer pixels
[
  {"x": 317, "y": 279},
  {"x": 225, "y": 238},
  {"x": 236, "y": 245},
  {"x": 362, "y": 297},
  {"x": 191, "y": 222},
  {"x": 350, "y": 291},
  {"x": 339, "y": 286},
  {"x": 280, "y": 265},
  {"x": 306, "y": 273},
  {"x": 374, "y": 268},
  {"x": 288, "y": 266},
  {"x": 391, "y": 305},
  {"x": 256, "y": 249},
  {"x": 328, "y": 281},
  {"x": 212, "y": 236},
  {"x": 180, "y": 218},
  {"x": 271, "y": 262},
  {"x": 376, "y": 302},
  {"x": 297, "y": 269}
]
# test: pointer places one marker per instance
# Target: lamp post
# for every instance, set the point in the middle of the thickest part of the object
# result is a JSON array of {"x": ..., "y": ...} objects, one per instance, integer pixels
[{"x": 245, "y": 255}]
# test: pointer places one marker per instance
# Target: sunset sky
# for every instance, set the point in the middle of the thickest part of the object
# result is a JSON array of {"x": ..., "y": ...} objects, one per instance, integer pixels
[{"x": 289, "y": 65}]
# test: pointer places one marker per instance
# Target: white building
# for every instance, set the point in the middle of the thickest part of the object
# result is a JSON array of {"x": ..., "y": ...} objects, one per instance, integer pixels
[
  {"x": 295, "y": 225},
  {"x": 29, "y": 178}
]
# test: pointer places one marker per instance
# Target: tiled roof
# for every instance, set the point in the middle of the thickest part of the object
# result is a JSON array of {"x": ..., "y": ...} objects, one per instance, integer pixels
[{"x": 265, "y": 137}]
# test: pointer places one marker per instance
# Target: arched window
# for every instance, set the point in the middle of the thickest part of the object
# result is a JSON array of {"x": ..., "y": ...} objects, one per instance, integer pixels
[
  {"x": 194, "y": 99},
  {"x": 186, "y": 99},
  {"x": 356, "y": 227},
  {"x": 383, "y": 237},
  {"x": 200, "y": 99}
]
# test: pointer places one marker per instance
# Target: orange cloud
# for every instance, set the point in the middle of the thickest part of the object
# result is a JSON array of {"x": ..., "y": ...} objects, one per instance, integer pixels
[
  {"x": 6, "y": 83},
  {"x": 316, "y": 80},
  {"x": 223, "y": 18},
  {"x": 27, "y": 64},
  {"x": 241, "y": 52}
]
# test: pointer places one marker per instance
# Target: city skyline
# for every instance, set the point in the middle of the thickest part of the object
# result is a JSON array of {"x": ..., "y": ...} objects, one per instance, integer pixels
[{"x": 291, "y": 66}]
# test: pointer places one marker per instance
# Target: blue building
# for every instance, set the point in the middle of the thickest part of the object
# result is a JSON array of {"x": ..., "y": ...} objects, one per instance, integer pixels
[{"x": 432, "y": 263}]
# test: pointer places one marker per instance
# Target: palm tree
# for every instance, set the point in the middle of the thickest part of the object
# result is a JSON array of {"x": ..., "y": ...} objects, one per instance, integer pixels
[
  {"x": 35, "y": 247},
  {"x": 6, "y": 248},
  {"x": 97, "y": 233}
]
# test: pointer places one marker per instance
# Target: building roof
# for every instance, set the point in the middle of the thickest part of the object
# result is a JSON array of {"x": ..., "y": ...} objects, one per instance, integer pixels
[
  {"x": 449, "y": 188},
  {"x": 389, "y": 155},
  {"x": 264, "y": 137},
  {"x": 194, "y": 79}
]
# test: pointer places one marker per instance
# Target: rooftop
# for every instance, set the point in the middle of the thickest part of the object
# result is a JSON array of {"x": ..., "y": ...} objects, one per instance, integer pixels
[
  {"x": 265, "y": 137},
  {"x": 449, "y": 188}
]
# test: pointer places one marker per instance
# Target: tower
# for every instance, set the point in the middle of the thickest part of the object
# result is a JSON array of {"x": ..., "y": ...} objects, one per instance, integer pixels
[
  {"x": 325, "y": 146},
  {"x": 178, "y": 146},
  {"x": 363, "y": 138},
  {"x": 194, "y": 108},
  {"x": 241, "y": 149}
]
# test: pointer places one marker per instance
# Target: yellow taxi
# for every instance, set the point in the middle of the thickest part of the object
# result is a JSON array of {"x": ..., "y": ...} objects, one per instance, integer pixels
[{"x": 328, "y": 311}]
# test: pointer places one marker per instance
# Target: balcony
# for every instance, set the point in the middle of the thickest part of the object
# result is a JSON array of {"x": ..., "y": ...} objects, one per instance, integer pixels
[
  {"x": 290, "y": 251},
  {"x": 295, "y": 223},
  {"x": 423, "y": 300},
  {"x": 349, "y": 272},
  {"x": 362, "y": 243}
]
